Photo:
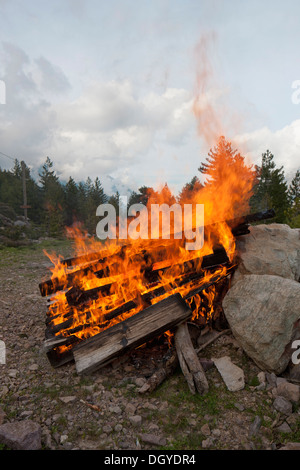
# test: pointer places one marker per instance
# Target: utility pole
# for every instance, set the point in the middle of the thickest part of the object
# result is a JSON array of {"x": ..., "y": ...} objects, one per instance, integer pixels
[{"x": 25, "y": 206}]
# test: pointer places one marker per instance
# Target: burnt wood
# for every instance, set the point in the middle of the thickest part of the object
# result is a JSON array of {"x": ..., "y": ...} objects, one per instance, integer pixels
[
  {"x": 165, "y": 370},
  {"x": 56, "y": 357},
  {"x": 102, "y": 348},
  {"x": 189, "y": 362}
]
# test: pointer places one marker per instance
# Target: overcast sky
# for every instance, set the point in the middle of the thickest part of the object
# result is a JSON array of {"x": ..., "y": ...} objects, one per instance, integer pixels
[{"x": 139, "y": 90}]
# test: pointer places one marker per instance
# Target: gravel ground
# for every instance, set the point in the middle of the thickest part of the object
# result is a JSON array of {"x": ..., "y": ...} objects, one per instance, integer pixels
[{"x": 105, "y": 410}]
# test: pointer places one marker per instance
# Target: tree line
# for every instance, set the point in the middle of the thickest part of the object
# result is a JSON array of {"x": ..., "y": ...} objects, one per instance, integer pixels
[{"x": 55, "y": 204}]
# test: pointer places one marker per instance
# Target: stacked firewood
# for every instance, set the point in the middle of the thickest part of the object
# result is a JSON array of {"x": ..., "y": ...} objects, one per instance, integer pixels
[{"x": 65, "y": 339}]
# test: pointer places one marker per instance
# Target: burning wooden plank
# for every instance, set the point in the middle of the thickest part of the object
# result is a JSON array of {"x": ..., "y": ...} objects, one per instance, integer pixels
[
  {"x": 192, "y": 283},
  {"x": 151, "y": 322},
  {"x": 148, "y": 269},
  {"x": 52, "y": 349}
]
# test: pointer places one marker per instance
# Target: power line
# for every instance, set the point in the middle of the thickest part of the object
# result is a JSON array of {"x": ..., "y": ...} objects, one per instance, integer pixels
[{"x": 8, "y": 156}]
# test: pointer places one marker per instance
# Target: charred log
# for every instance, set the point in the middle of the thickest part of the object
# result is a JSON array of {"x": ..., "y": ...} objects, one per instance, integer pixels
[
  {"x": 189, "y": 362},
  {"x": 102, "y": 348}
]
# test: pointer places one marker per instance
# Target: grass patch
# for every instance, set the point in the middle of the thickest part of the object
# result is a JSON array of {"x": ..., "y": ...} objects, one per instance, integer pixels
[
  {"x": 213, "y": 403},
  {"x": 35, "y": 250},
  {"x": 189, "y": 442},
  {"x": 176, "y": 419}
]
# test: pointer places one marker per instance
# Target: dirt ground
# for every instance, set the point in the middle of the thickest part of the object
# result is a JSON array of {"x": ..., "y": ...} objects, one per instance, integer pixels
[{"x": 105, "y": 410}]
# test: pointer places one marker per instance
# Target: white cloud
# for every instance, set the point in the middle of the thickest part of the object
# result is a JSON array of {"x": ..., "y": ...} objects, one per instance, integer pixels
[
  {"x": 107, "y": 129},
  {"x": 284, "y": 144},
  {"x": 112, "y": 128},
  {"x": 52, "y": 77}
]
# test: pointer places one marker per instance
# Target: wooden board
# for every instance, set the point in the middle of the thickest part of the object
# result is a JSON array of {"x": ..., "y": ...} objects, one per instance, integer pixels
[
  {"x": 102, "y": 348},
  {"x": 189, "y": 361}
]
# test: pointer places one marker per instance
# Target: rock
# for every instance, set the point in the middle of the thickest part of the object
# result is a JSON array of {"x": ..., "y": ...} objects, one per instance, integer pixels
[
  {"x": 232, "y": 375},
  {"x": 272, "y": 249},
  {"x": 107, "y": 429},
  {"x": 144, "y": 388},
  {"x": 21, "y": 435},
  {"x": 216, "y": 433},
  {"x": 153, "y": 439},
  {"x": 163, "y": 406},
  {"x": 291, "y": 446},
  {"x": 292, "y": 420},
  {"x": 271, "y": 379},
  {"x": 280, "y": 380},
  {"x": 130, "y": 409},
  {"x": 140, "y": 381},
  {"x": 289, "y": 391},
  {"x": 125, "y": 445},
  {"x": 4, "y": 390},
  {"x": 205, "y": 429},
  {"x": 115, "y": 409},
  {"x": 294, "y": 372},
  {"x": 63, "y": 438},
  {"x": 282, "y": 405},
  {"x": 67, "y": 399},
  {"x": 255, "y": 426},
  {"x": 261, "y": 376},
  {"x": 261, "y": 386},
  {"x": 13, "y": 373},
  {"x": 207, "y": 443},
  {"x": 284, "y": 427},
  {"x": 262, "y": 311},
  {"x": 239, "y": 406},
  {"x": 20, "y": 223},
  {"x": 135, "y": 420}
]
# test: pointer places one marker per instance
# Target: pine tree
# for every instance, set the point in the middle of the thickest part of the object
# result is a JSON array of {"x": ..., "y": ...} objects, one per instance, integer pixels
[
  {"x": 17, "y": 169},
  {"x": 221, "y": 163},
  {"x": 189, "y": 189},
  {"x": 33, "y": 196},
  {"x": 11, "y": 192},
  {"x": 53, "y": 199},
  {"x": 114, "y": 201},
  {"x": 47, "y": 175},
  {"x": 228, "y": 184},
  {"x": 294, "y": 188},
  {"x": 271, "y": 190},
  {"x": 71, "y": 202},
  {"x": 94, "y": 196},
  {"x": 294, "y": 195},
  {"x": 165, "y": 196},
  {"x": 142, "y": 197}
]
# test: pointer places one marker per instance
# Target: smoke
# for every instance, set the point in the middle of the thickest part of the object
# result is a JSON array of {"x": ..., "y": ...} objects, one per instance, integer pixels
[
  {"x": 214, "y": 103},
  {"x": 204, "y": 106}
]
